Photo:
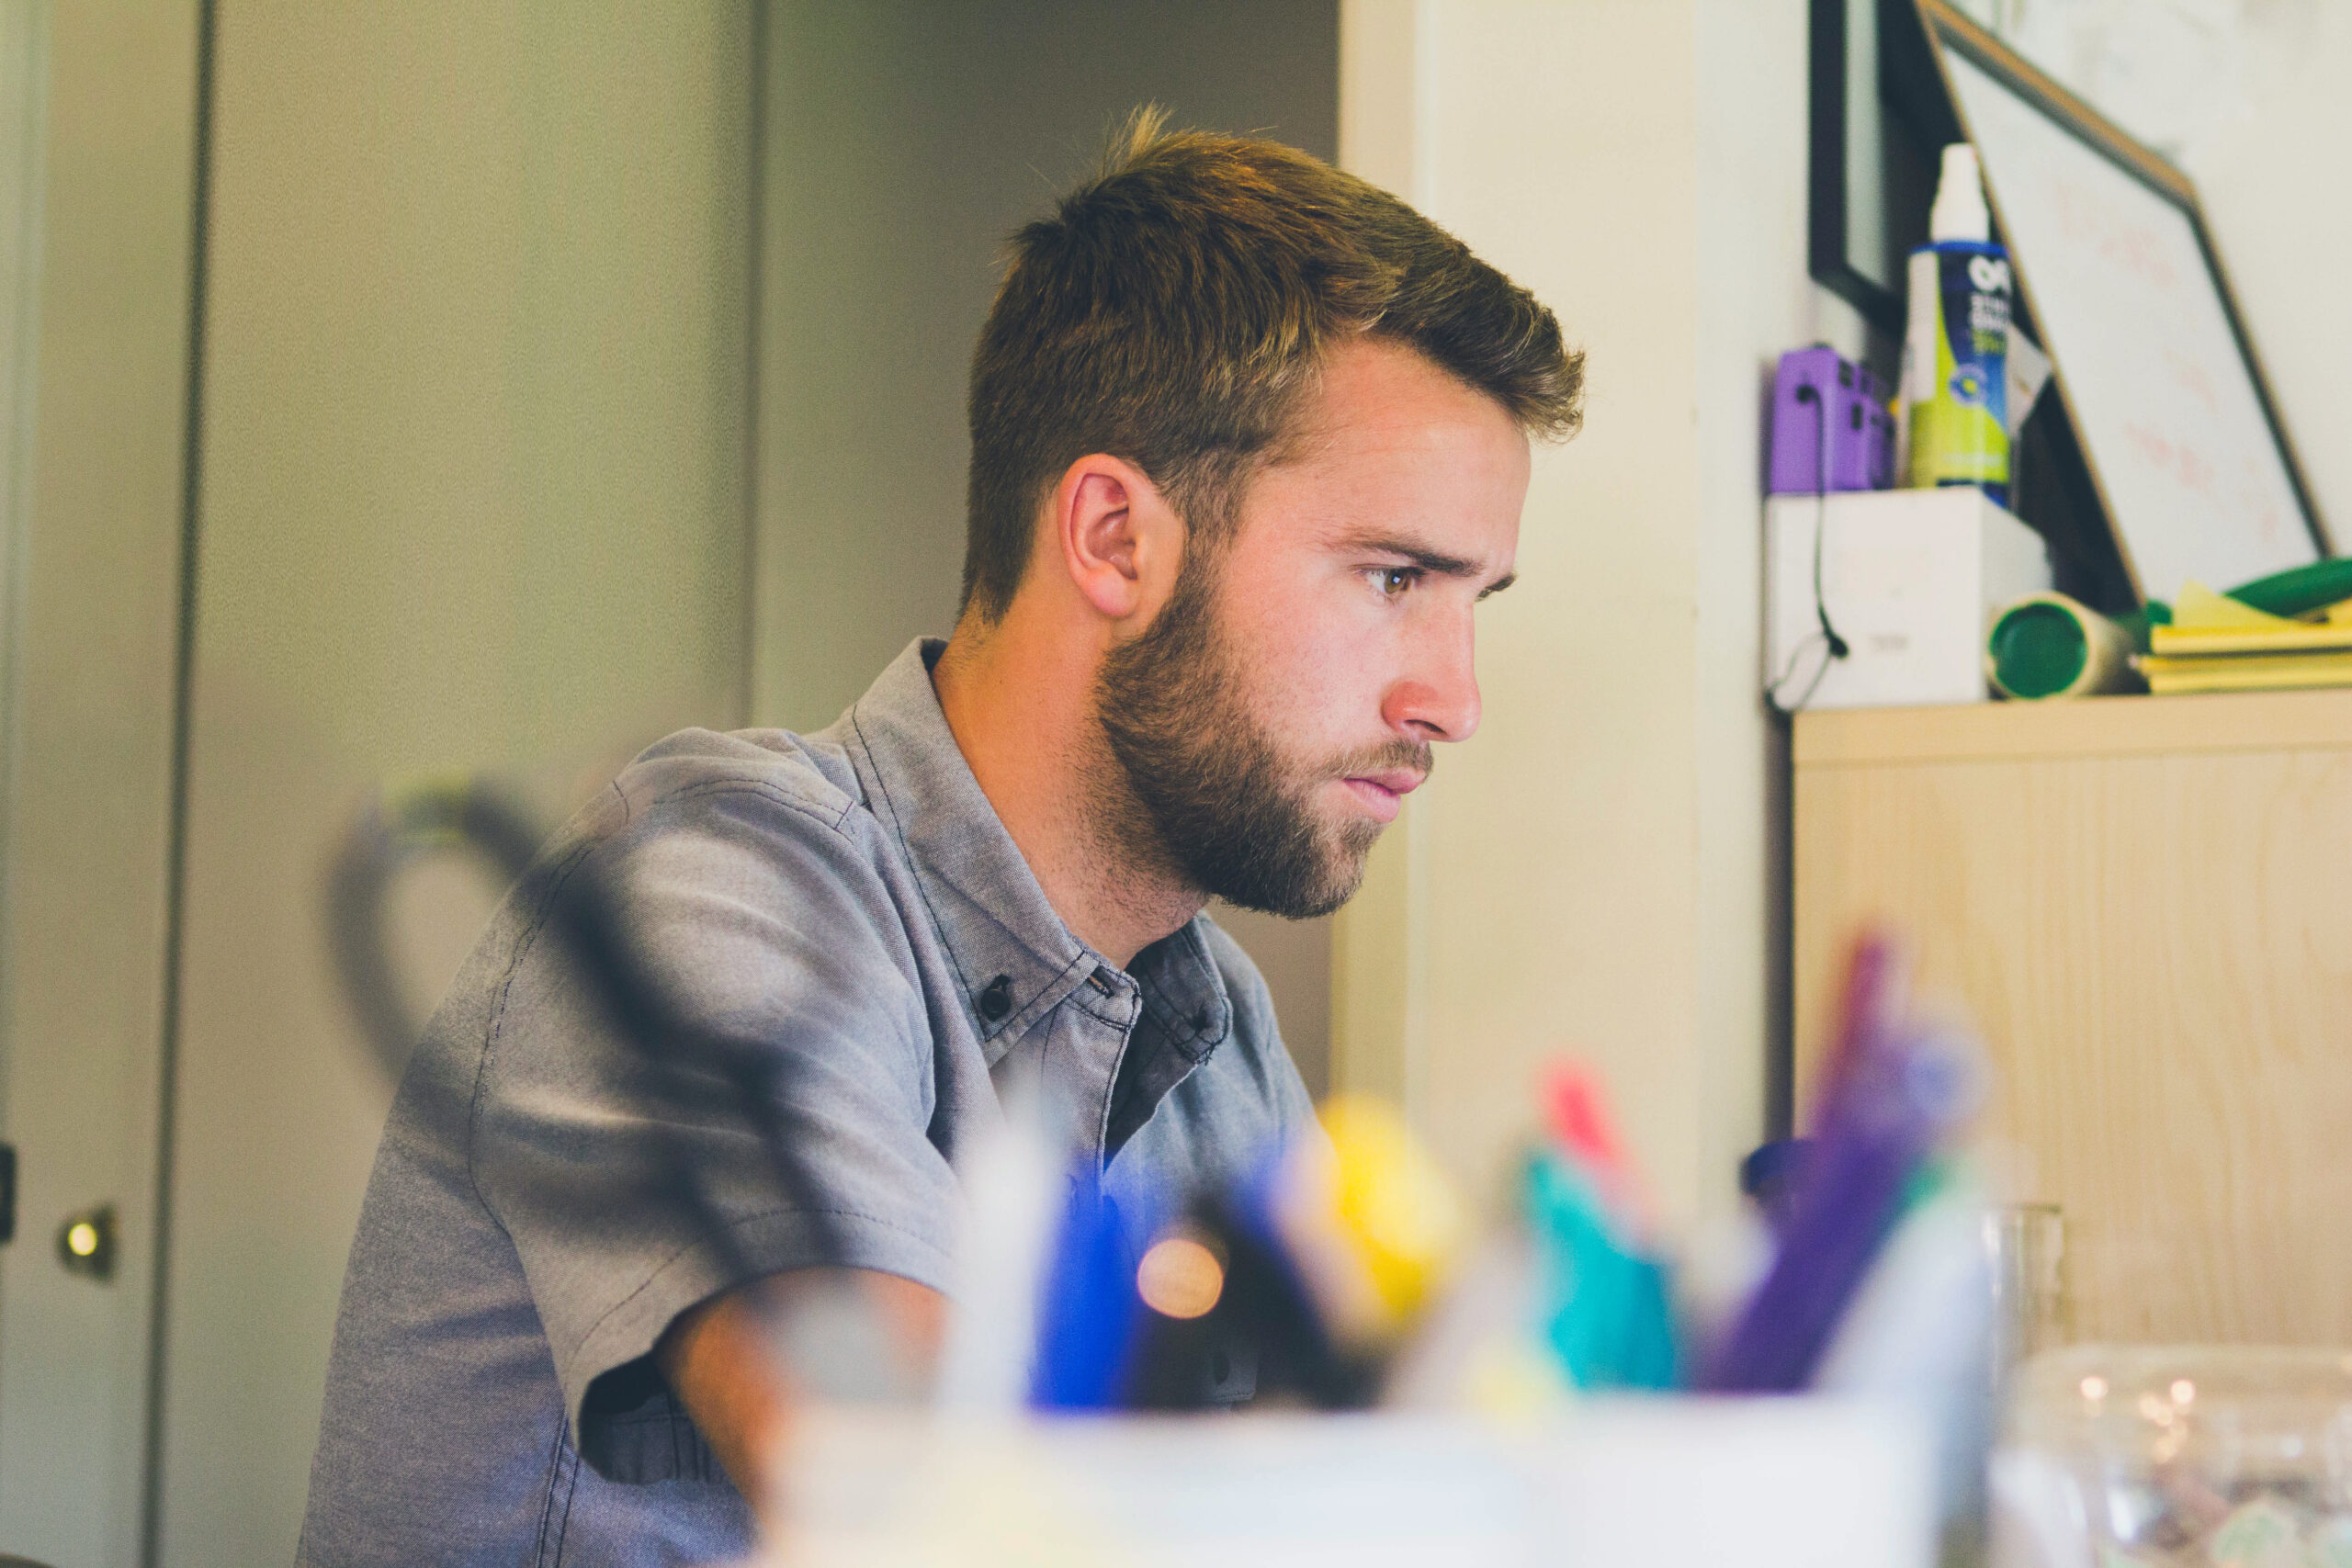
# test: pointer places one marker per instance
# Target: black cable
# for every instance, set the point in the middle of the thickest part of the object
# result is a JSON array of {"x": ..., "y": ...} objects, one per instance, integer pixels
[
  {"x": 1833, "y": 646},
  {"x": 400, "y": 829}
]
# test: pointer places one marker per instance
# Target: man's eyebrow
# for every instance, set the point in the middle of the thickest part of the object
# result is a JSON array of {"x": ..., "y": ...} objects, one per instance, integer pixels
[{"x": 1436, "y": 562}]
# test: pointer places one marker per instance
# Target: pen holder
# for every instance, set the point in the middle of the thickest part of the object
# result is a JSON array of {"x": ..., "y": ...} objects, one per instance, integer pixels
[{"x": 1615, "y": 1483}]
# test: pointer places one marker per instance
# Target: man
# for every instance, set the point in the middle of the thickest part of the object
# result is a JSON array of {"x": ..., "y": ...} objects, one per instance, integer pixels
[{"x": 1250, "y": 443}]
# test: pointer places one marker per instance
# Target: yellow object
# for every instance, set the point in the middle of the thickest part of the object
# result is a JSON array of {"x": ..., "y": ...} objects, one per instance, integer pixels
[
  {"x": 1393, "y": 1200},
  {"x": 1514, "y": 1379},
  {"x": 1371, "y": 1219},
  {"x": 2248, "y": 671},
  {"x": 2204, "y": 621},
  {"x": 2199, "y": 608}
]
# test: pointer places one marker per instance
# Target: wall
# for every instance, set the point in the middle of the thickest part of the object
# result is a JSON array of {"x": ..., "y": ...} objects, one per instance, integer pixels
[
  {"x": 1593, "y": 872},
  {"x": 2284, "y": 235},
  {"x": 475, "y": 414},
  {"x": 906, "y": 139}
]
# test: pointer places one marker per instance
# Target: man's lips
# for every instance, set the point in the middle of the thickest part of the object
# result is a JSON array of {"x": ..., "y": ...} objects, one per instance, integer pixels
[{"x": 1382, "y": 793}]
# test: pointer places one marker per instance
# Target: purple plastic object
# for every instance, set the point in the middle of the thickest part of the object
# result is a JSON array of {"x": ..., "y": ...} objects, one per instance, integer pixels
[
  {"x": 1861, "y": 433},
  {"x": 1894, "y": 1094}
]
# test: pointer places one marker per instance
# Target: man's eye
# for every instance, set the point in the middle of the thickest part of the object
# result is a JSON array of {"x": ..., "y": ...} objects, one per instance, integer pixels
[{"x": 1393, "y": 581}]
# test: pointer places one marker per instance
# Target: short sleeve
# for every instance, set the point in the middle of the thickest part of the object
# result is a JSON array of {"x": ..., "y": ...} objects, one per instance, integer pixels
[{"x": 769, "y": 924}]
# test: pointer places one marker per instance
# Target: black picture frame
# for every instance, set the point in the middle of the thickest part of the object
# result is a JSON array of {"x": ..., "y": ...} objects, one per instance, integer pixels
[{"x": 1870, "y": 70}]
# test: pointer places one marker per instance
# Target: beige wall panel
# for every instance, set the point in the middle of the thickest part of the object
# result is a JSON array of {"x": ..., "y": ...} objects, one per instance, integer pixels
[
  {"x": 1592, "y": 874},
  {"x": 473, "y": 496},
  {"x": 2143, "y": 910},
  {"x": 1561, "y": 849}
]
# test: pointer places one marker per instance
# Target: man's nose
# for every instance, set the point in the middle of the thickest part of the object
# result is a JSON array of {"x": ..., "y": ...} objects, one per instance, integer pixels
[{"x": 1437, "y": 696}]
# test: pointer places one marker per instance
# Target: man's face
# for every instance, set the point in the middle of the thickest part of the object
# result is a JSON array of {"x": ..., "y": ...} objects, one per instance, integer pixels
[{"x": 1286, "y": 698}]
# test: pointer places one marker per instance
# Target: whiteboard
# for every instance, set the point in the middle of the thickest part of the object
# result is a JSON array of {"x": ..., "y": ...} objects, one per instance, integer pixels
[{"x": 2164, "y": 402}]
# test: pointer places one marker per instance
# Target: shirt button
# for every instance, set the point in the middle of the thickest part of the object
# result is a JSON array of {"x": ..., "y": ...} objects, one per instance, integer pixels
[
  {"x": 997, "y": 1000},
  {"x": 1100, "y": 980}
]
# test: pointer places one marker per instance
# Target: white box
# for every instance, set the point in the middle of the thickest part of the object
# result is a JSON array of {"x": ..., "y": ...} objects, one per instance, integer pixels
[
  {"x": 1801, "y": 1482},
  {"x": 1909, "y": 578}
]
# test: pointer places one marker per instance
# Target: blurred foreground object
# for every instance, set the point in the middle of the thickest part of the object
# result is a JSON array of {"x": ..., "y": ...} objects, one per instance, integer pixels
[
  {"x": 2027, "y": 1244},
  {"x": 1895, "y": 1098},
  {"x": 1879, "y": 1283},
  {"x": 455, "y": 812},
  {"x": 1766, "y": 1483},
  {"x": 1298, "y": 1284},
  {"x": 407, "y": 822},
  {"x": 2236, "y": 1456}
]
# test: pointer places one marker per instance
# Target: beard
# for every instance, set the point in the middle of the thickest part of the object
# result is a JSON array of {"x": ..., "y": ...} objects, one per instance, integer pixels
[{"x": 1201, "y": 789}]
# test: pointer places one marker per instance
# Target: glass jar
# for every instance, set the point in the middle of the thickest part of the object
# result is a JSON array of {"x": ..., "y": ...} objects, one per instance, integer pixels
[{"x": 2226, "y": 1455}]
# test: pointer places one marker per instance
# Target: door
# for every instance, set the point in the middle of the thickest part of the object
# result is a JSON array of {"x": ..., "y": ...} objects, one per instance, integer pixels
[
  {"x": 476, "y": 353},
  {"x": 97, "y": 182}
]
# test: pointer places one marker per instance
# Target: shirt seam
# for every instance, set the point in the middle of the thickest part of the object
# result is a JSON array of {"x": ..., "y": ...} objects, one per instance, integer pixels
[
  {"x": 828, "y": 816},
  {"x": 555, "y": 1478},
  {"x": 524, "y": 942},
  {"x": 898, "y": 834},
  {"x": 1089, "y": 1008},
  {"x": 563, "y": 1522}
]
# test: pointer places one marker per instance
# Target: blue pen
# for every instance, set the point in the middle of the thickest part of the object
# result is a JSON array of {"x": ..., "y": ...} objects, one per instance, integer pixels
[{"x": 1090, "y": 1317}]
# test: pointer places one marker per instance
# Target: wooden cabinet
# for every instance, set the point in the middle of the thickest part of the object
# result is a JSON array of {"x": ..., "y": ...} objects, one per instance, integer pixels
[{"x": 2144, "y": 905}]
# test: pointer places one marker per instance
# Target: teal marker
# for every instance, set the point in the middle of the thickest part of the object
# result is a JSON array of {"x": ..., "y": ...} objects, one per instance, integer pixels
[{"x": 1605, "y": 1305}]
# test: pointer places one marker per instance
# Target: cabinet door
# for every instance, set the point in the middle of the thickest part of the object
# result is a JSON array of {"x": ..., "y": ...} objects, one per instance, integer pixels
[{"x": 2145, "y": 915}]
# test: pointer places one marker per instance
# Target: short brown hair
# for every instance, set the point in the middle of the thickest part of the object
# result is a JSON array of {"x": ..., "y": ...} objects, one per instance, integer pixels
[{"x": 1171, "y": 309}]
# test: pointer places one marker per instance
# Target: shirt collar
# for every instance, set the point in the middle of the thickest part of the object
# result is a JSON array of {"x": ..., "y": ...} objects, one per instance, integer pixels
[{"x": 1013, "y": 954}]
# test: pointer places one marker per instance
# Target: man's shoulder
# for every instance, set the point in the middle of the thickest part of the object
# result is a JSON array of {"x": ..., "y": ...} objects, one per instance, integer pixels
[{"x": 809, "y": 776}]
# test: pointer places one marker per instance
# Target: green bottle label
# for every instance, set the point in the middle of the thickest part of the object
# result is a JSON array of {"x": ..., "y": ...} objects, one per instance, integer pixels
[{"x": 1960, "y": 419}]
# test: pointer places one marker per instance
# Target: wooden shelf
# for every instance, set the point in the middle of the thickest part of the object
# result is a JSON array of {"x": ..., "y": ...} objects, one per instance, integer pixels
[{"x": 2102, "y": 727}]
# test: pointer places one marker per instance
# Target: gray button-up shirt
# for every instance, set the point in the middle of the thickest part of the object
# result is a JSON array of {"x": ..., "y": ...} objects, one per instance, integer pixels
[{"x": 848, "y": 899}]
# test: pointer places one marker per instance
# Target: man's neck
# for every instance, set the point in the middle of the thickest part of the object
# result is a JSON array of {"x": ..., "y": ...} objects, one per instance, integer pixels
[{"x": 1020, "y": 706}]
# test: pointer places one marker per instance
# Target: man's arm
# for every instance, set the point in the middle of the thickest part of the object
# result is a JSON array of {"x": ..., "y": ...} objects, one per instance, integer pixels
[{"x": 720, "y": 1361}]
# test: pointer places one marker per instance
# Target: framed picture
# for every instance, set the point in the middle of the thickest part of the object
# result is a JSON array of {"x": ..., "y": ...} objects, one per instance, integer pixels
[
  {"x": 2119, "y": 273},
  {"x": 1878, "y": 117}
]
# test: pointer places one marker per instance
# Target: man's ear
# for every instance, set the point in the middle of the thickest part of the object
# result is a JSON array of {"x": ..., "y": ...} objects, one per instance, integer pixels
[{"x": 1119, "y": 540}]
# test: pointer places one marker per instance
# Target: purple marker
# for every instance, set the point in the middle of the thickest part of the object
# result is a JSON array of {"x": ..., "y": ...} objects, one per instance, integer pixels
[{"x": 1891, "y": 1096}]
